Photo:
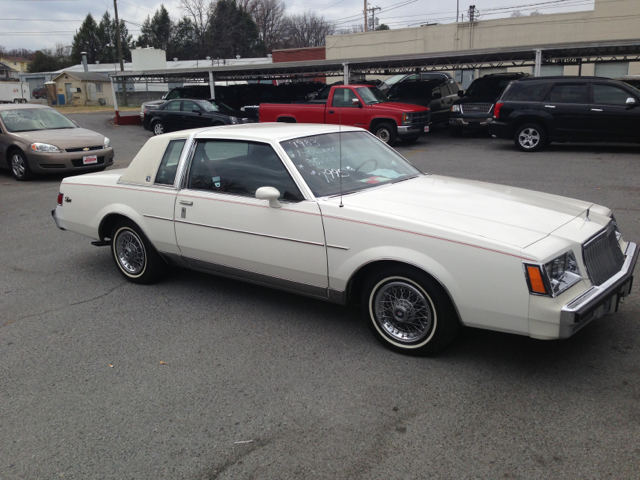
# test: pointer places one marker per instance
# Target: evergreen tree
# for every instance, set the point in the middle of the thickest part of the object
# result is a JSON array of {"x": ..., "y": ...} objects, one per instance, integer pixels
[
  {"x": 86, "y": 40},
  {"x": 184, "y": 41},
  {"x": 231, "y": 31},
  {"x": 157, "y": 31},
  {"x": 107, "y": 40}
]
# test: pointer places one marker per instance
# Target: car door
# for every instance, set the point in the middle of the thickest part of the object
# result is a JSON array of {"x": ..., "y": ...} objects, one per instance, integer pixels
[
  {"x": 439, "y": 108},
  {"x": 192, "y": 116},
  {"x": 222, "y": 227},
  {"x": 611, "y": 117},
  {"x": 568, "y": 105},
  {"x": 170, "y": 115},
  {"x": 342, "y": 111}
]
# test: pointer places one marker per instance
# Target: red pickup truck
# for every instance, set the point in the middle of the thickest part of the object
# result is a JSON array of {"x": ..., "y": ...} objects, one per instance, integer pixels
[{"x": 361, "y": 106}]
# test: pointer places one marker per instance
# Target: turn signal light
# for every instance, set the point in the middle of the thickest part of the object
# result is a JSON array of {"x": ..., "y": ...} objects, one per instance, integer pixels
[
  {"x": 496, "y": 110},
  {"x": 60, "y": 197},
  {"x": 536, "y": 284}
]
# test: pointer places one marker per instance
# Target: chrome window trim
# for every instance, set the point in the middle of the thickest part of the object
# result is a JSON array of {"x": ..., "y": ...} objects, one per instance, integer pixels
[{"x": 251, "y": 233}]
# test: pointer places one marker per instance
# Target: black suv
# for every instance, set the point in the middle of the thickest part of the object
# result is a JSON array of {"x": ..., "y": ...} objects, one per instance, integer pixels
[
  {"x": 436, "y": 93},
  {"x": 475, "y": 107},
  {"x": 536, "y": 111}
]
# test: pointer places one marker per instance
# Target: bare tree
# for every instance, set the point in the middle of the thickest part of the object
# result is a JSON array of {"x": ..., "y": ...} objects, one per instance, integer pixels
[
  {"x": 534, "y": 13},
  {"x": 271, "y": 22},
  {"x": 517, "y": 14},
  {"x": 307, "y": 30},
  {"x": 200, "y": 13},
  {"x": 248, "y": 6}
]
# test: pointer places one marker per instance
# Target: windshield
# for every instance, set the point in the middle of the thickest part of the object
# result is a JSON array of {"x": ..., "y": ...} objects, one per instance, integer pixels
[
  {"x": 395, "y": 79},
  {"x": 28, "y": 119},
  {"x": 491, "y": 87},
  {"x": 216, "y": 106},
  {"x": 371, "y": 95},
  {"x": 366, "y": 162}
]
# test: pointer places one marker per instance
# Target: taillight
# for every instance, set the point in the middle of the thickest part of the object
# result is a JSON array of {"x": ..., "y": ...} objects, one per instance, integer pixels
[
  {"x": 60, "y": 197},
  {"x": 496, "y": 110}
]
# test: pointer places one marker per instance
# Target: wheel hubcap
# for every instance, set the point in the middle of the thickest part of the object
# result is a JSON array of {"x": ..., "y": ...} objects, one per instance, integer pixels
[
  {"x": 402, "y": 312},
  {"x": 384, "y": 135},
  {"x": 130, "y": 252},
  {"x": 17, "y": 165},
  {"x": 529, "y": 137},
  {"x": 158, "y": 129}
]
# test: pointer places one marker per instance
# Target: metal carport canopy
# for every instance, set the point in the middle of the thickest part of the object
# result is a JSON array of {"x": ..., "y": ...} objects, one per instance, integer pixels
[{"x": 569, "y": 53}]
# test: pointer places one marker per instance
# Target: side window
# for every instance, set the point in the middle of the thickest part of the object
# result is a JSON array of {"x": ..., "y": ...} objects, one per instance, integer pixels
[
  {"x": 189, "y": 106},
  {"x": 169, "y": 165},
  {"x": 173, "y": 107},
  {"x": 525, "y": 92},
  {"x": 444, "y": 90},
  {"x": 240, "y": 168},
  {"x": 343, "y": 97},
  {"x": 566, "y": 93},
  {"x": 453, "y": 87},
  {"x": 609, "y": 95}
]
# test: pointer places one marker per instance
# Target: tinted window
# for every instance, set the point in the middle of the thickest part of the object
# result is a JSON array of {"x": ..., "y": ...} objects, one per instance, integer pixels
[
  {"x": 489, "y": 86},
  {"x": 525, "y": 92},
  {"x": 343, "y": 97},
  {"x": 188, "y": 106},
  {"x": 169, "y": 164},
  {"x": 609, "y": 95},
  {"x": 173, "y": 106},
  {"x": 568, "y": 94},
  {"x": 240, "y": 168}
]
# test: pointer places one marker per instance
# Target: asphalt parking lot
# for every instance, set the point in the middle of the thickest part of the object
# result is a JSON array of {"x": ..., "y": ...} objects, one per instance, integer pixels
[{"x": 200, "y": 377}]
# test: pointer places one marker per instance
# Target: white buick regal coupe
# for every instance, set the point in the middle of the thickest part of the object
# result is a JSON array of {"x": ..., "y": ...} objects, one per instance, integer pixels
[{"x": 335, "y": 214}]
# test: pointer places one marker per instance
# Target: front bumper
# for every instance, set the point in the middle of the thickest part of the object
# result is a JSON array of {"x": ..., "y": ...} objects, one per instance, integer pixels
[
  {"x": 412, "y": 130},
  {"x": 471, "y": 121},
  {"x": 66, "y": 162},
  {"x": 599, "y": 300}
]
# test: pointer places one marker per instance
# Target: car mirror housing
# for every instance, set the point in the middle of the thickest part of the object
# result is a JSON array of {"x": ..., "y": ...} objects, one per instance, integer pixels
[
  {"x": 437, "y": 96},
  {"x": 631, "y": 101},
  {"x": 269, "y": 193},
  {"x": 356, "y": 102}
]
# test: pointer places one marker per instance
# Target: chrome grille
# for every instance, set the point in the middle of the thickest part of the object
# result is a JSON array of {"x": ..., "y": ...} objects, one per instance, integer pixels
[
  {"x": 603, "y": 256},
  {"x": 85, "y": 149},
  {"x": 476, "y": 107},
  {"x": 420, "y": 117}
]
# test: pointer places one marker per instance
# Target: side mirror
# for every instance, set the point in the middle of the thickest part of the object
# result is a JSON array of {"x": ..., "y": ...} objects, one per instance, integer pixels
[
  {"x": 271, "y": 194},
  {"x": 436, "y": 96},
  {"x": 631, "y": 102},
  {"x": 196, "y": 110},
  {"x": 356, "y": 102},
  {"x": 461, "y": 93}
]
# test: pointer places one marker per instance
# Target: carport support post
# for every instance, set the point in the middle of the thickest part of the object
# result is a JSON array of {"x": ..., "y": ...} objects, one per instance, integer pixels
[
  {"x": 536, "y": 69},
  {"x": 115, "y": 102},
  {"x": 212, "y": 85},
  {"x": 345, "y": 67}
]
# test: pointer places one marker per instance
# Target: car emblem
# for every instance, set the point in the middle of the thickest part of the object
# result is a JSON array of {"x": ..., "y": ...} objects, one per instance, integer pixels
[{"x": 85, "y": 149}]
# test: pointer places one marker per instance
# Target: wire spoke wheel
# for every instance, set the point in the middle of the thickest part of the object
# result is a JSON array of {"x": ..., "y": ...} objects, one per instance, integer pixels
[
  {"x": 402, "y": 312},
  {"x": 130, "y": 252},
  {"x": 529, "y": 138}
]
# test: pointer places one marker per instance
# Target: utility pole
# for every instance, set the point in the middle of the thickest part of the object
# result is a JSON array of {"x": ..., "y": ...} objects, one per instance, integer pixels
[
  {"x": 115, "y": 9},
  {"x": 457, "y": 10},
  {"x": 472, "y": 16},
  {"x": 373, "y": 17},
  {"x": 365, "y": 15}
]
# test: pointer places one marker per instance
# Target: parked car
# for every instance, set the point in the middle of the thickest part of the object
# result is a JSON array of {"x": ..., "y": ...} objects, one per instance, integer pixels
[
  {"x": 39, "y": 92},
  {"x": 356, "y": 105},
  {"x": 437, "y": 94},
  {"x": 334, "y": 214},
  {"x": 633, "y": 80},
  {"x": 474, "y": 110},
  {"x": 201, "y": 92},
  {"x": 536, "y": 111},
  {"x": 411, "y": 77},
  {"x": 185, "y": 114},
  {"x": 36, "y": 139}
]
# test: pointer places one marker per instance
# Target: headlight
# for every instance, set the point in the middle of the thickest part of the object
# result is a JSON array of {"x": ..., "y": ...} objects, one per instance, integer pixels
[
  {"x": 406, "y": 118},
  {"x": 234, "y": 120},
  {"x": 107, "y": 142},
  {"x": 455, "y": 108},
  {"x": 44, "y": 148},
  {"x": 554, "y": 277}
]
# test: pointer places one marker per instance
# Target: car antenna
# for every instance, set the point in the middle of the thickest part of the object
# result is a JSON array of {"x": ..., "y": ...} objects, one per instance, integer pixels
[{"x": 340, "y": 151}]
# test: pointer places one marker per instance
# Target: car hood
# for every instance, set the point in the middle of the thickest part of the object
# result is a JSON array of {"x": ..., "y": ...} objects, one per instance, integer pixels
[
  {"x": 397, "y": 106},
  {"x": 153, "y": 103},
  {"x": 504, "y": 214},
  {"x": 63, "y": 138}
]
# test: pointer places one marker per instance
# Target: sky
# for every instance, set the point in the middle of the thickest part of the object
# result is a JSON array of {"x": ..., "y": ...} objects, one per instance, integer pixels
[{"x": 39, "y": 24}]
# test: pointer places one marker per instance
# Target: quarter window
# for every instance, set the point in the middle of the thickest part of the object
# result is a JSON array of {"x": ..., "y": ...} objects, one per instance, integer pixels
[
  {"x": 609, "y": 95},
  {"x": 568, "y": 94},
  {"x": 169, "y": 165},
  {"x": 240, "y": 168}
]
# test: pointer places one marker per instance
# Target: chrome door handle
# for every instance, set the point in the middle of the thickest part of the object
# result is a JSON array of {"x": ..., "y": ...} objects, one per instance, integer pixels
[
  {"x": 596, "y": 109},
  {"x": 549, "y": 106},
  {"x": 185, "y": 202}
]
